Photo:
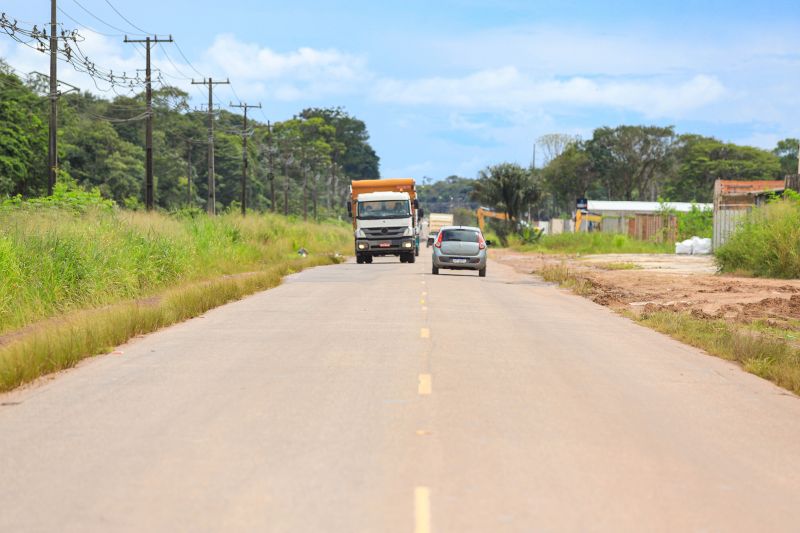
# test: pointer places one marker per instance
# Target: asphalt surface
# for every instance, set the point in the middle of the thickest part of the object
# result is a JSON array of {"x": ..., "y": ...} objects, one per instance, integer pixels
[{"x": 380, "y": 398}]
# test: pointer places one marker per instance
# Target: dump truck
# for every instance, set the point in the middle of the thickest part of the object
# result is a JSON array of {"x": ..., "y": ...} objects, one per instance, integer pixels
[
  {"x": 386, "y": 216},
  {"x": 437, "y": 221}
]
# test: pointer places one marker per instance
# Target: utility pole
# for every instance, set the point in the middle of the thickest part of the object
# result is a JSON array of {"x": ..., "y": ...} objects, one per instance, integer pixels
[
  {"x": 149, "y": 196},
  {"x": 244, "y": 152},
  {"x": 189, "y": 173},
  {"x": 271, "y": 174},
  {"x": 211, "y": 205},
  {"x": 52, "y": 149}
]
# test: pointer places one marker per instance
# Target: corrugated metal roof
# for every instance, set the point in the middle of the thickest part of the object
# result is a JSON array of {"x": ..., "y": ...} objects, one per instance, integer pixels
[
  {"x": 597, "y": 206},
  {"x": 733, "y": 187}
]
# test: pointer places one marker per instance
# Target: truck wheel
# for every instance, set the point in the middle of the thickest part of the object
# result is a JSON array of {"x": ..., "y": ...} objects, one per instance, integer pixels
[
  {"x": 403, "y": 258},
  {"x": 359, "y": 259},
  {"x": 368, "y": 259},
  {"x": 435, "y": 270},
  {"x": 482, "y": 272},
  {"x": 411, "y": 258}
]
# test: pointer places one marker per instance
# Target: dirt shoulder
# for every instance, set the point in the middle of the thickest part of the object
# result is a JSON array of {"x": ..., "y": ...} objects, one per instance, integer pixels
[{"x": 645, "y": 282}]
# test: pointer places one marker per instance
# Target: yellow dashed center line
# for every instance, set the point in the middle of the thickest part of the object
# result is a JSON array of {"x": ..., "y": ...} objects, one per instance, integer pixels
[
  {"x": 422, "y": 510},
  {"x": 425, "y": 385},
  {"x": 425, "y": 333},
  {"x": 422, "y": 302}
]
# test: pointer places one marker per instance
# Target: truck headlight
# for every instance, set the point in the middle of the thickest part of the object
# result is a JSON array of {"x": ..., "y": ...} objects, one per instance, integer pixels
[{"x": 407, "y": 244}]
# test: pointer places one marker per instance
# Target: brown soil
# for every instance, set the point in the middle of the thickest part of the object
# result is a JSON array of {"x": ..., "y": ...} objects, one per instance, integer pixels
[{"x": 674, "y": 283}]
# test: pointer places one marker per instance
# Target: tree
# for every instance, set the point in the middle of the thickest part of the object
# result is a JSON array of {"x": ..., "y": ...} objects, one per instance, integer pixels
[
  {"x": 787, "y": 152},
  {"x": 23, "y": 138},
  {"x": 631, "y": 161},
  {"x": 554, "y": 144},
  {"x": 507, "y": 187},
  {"x": 569, "y": 176},
  {"x": 702, "y": 160}
]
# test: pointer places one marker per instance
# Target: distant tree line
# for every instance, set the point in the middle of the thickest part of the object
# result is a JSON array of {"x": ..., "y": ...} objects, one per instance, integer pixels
[
  {"x": 646, "y": 163},
  {"x": 306, "y": 162}
]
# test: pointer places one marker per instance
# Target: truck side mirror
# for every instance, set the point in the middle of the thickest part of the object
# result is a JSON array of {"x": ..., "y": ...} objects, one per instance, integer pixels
[
  {"x": 416, "y": 203},
  {"x": 350, "y": 208},
  {"x": 420, "y": 213}
]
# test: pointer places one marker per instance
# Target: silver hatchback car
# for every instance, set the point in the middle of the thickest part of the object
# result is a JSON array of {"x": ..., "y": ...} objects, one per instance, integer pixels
[{"x": 460, "y": 248}]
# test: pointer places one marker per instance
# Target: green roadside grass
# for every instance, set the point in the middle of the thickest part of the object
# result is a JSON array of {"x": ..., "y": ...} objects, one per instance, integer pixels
[
  {"x": 75, "y": 283},
  {"x": 61, "y": 344},
  {"x": 761, "y": 350},
  {"x": 593, "y": 243}
]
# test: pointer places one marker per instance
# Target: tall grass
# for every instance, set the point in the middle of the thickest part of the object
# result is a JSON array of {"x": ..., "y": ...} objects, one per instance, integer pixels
[
  {"x": 54, "y": 261},
  {"x": 767, "y": 244},
  {"x": 594, "y": 243}
]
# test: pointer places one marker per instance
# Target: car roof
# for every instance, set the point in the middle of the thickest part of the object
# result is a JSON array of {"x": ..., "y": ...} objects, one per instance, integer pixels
[{"x": 471, "y": 228}]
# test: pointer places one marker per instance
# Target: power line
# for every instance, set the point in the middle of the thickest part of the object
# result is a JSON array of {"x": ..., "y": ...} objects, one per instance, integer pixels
[
  {"x": 126, "y": 19},
  {"x": 98, "y": 18},
  {"x": 180, "y": 51},
  {"x": 86, "y": 26}
]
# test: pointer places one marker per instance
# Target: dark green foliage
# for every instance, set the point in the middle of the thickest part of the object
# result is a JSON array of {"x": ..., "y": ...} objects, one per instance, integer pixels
[
  {"x": 650, "y": 162},
  {"x": 23, "y": 138},
  {"x": 507, "y": 187},
  {"x": 448, "y": 195},
  {"x": 101, "y": 146}
]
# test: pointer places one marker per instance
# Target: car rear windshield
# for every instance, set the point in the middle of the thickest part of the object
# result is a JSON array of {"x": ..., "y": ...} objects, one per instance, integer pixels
[{"x": 459, "y": 235}]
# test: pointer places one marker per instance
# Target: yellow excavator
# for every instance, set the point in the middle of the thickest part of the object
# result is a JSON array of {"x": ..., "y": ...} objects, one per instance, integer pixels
[{"x": 482, "y": 213}]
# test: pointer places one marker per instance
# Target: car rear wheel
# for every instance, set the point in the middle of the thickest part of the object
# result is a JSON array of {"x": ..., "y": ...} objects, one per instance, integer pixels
[{"x": 482, "y": 272}]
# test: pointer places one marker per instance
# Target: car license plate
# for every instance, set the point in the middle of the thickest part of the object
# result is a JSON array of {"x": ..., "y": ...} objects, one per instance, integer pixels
[
  {"x": 459, "y": 260},
  {"x": 385, "y": 245}
]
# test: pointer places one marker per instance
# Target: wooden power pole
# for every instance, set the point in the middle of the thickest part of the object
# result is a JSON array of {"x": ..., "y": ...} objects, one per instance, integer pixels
[
  {"x": 52, "y": 149},
  {"x": 244, "y": 152},
  {"x": 149, "y": 194},
  {"x": 211, "y": 205}
]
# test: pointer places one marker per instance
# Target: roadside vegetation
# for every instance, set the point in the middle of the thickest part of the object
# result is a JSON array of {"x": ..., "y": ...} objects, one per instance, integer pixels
[
  {"x": 761, "y": 348},
  {"x": 80, "y": 276},
  {"x": 768, "y": 243},
  {"x": 593, "y": 243},
  {"x": 769, "y": 355}
]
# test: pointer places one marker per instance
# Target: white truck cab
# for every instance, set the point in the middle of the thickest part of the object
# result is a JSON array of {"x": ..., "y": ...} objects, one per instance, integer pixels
[{"x": 384, "y": 225}]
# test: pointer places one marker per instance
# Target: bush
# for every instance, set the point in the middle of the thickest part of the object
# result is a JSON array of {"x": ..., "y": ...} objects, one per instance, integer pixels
[
  {"x": 767, "y": 244},
  {"x": 594, "y": 243},
  {"x": 695, "y": 223}
]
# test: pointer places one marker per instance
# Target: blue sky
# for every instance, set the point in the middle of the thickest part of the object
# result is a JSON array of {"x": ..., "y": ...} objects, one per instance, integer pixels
[{"x": 449, "y": 87}]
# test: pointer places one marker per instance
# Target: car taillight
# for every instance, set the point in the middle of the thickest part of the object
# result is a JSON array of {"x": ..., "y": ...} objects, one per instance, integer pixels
[
  {"x": 438, "y": 242},
  {"x": 481, "y": 242}
]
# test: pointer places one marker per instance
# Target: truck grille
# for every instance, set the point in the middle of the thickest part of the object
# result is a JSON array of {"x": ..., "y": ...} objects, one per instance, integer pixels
[{"x": 384, "y": 233}]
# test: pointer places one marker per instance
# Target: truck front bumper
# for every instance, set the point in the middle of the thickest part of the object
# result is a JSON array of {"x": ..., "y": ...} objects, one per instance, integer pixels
[{"x": 384, "y": 246}]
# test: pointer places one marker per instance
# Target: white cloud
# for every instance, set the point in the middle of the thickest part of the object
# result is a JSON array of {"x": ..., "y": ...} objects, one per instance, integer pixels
[
  {"x": 295, "y": 75},
  {"x": 507, "y": 89}
]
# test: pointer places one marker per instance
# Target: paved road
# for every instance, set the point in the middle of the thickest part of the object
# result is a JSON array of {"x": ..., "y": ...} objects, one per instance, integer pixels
[{"x": 380, "y": 398}]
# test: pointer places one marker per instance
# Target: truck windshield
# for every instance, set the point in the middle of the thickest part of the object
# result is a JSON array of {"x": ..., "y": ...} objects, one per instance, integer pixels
[{"x": 383, "y": 209}]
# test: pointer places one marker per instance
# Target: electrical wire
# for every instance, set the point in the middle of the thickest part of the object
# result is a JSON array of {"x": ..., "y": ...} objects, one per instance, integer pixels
[
  {"x": 101, "y": 20},
  {"x": 86, "y": 26},
  {"x": 180, "y": 51},
  {"x": 126, "y": 19}
]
